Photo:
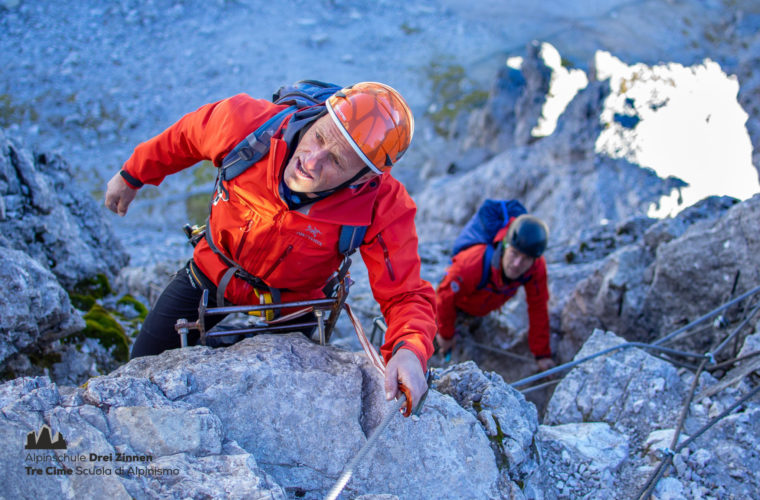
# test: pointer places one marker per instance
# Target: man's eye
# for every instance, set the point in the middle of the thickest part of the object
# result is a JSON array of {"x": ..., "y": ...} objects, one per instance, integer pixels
[{"x": 335, "y": 162}]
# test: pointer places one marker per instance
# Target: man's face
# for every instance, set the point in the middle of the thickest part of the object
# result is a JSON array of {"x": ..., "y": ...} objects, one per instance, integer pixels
[
  {"x": 322, "y": 160},
  {"x": 514, "y": 263}
]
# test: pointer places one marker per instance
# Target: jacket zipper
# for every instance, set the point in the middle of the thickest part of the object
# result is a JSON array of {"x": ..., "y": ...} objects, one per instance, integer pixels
[
  {"x": 278, "y": 262},
  {"x": 387, "y": 257},
  {"x": 241, "y": 244}
]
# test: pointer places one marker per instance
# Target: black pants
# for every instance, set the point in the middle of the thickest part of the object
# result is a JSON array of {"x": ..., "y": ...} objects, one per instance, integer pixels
[{"x": 180, "y": 299}]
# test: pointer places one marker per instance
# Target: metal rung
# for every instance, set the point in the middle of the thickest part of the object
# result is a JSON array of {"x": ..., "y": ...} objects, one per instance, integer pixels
[
  {"x": 294, "y": 326},
  {"x": 264, "y": 307},
  {"x": 318, "y": 305}
]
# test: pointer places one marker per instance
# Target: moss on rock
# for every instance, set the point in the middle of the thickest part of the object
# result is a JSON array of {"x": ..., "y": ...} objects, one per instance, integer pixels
[
  {"x": 101, "y": 325},
  {"x": 497, "y": 440},
  {"x": 128, "y": 300},
  {"x": 85, "y": 293}
]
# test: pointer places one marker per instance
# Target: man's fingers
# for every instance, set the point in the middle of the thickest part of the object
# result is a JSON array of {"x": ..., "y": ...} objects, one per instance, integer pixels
[
  {"x": 111, "y": 203},
  {"x": 119, "y": 195},
  {"x": 391, "y": 382},
  {"x": 116, "y": 205},
  {"x": 404, "y": 368},
  {"x": 122, "y": 207}
]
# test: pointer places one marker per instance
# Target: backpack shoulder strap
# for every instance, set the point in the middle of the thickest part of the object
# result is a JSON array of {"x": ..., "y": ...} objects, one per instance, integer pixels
[
  {"x": 486, "y": 267},
  {"x": 253, "y": 147},
  {"x": 350, "y": 239}
]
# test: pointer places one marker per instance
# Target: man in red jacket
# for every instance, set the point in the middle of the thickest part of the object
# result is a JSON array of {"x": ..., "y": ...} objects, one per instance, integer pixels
[
  {"x": 279, "y": 221},
  {"x": 517, "y": 261}
]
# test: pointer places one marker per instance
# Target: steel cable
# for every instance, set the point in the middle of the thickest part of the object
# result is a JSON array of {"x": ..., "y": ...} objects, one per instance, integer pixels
[
  {"x": 707, "y": 316},
  {"x": 650, "y": 485},
  {"x": 655, "y": 477}
]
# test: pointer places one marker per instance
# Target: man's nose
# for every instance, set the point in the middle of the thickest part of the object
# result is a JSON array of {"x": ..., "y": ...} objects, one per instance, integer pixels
[
  {"x": 313, "y": 160},
  {"x": 520, "y": 260}
]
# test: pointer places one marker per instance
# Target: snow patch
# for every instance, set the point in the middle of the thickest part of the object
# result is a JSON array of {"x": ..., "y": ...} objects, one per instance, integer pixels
[{"x": 681, "y": 121}]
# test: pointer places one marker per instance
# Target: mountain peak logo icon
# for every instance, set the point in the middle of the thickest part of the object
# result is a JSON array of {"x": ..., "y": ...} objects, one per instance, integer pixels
[{"x": 43, "y": 440}]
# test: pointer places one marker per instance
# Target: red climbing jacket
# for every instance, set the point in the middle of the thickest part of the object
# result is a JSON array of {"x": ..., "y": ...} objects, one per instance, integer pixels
[
  {"x": 459, "y": 291},
  {"x": 296, "y": 251}
]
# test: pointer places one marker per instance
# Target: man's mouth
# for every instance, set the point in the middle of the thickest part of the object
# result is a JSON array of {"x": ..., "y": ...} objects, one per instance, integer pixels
[{"x": 303, "y": 172}]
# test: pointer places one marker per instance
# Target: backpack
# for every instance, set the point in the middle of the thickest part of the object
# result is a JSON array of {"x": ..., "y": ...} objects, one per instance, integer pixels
[
  {"x": 492, "y": 216},
  {"x": 253, "y": 148}
]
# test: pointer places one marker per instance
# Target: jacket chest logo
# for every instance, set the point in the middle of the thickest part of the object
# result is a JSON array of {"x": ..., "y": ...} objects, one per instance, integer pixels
[{"x": 311, "y": 233}]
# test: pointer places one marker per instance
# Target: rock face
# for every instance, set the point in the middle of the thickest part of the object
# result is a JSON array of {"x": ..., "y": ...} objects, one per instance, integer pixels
[
  {"x": 678, "y": 270},
  {"x": 49, "y": 217},
  {"x": 580, "y": 459},
  {"x": 33, "y": 306},
  {"x": 271, "y": 416},
  {"x": 641, "y": 392},
  {"x": 631, "y": 399},
  {"x": 629, "y": 277},
  {"x": 52, "y": 237},
  {"x": 507, "y": 418},
  {"x": 278, "y": 416},
  {"x": 738, "y": 50}
]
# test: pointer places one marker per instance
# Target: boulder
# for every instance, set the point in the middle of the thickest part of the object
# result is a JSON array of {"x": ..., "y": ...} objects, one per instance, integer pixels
[
  {"x": 509, "y": 420},
  {"x": 34, "y": 308},
  {"x": 629, "y": 389},
  {"x": 579, "y": 460},
  {"x": 641, "y": 397},
  {"x": 270, "y": 416}
]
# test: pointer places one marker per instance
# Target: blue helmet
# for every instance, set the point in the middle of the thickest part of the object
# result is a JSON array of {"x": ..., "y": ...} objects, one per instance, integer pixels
[{"x": 528, "y": 234}]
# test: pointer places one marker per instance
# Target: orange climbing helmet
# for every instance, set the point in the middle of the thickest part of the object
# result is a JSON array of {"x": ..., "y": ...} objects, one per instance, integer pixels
[{"x": 375, "y": 120}]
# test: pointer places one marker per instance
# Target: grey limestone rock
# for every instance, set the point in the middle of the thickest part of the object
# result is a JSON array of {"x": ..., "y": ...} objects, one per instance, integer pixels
[
  {"x": 54, "y": 236},
  {"x": 581, "y": 457},
  {"x": 33, "y": 306},
  {"x": 52, "y": 219},
  {"x": 629, "y": 389},
  {"x": 641, "y": 397},
  {"x": 594, "y": 188},
  {"x": 509, "y": 420},
  {"x": 275, "y": 416},
  {"x": 680, "y": 269}
]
